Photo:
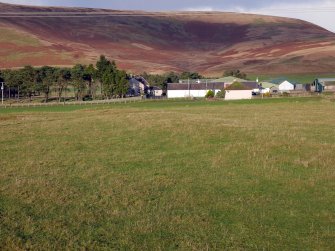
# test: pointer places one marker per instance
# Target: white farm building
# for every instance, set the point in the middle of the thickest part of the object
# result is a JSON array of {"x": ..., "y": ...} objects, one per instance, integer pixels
[
  {"x": 238, "y": 94},
  {"x": 195, "y": 90},
  {"x": 286, "y": 86}
]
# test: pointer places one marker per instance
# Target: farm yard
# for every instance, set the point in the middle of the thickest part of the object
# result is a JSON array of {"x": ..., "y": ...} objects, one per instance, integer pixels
[{"x": 158, "y": 175}]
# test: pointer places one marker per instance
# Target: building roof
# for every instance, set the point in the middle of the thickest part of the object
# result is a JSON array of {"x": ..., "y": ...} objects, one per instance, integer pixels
[
  {"x": 251, "y": 85},
  {"x": 243, "y": 86},
  {"x": 201, "y": 86},
  {"x": 267, "y": 84},
  {"x": 279, "y": 81}
]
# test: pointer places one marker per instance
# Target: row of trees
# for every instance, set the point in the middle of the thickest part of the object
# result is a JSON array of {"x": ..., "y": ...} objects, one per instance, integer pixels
[{"x": 84, "y": 79}]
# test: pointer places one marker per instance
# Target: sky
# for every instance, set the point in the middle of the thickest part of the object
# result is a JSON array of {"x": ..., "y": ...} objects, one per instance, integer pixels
[{"x": 320, "y": 12}]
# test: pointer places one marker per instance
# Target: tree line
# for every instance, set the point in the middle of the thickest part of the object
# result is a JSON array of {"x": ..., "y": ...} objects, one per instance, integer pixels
[{"x": 84, "y": 79}]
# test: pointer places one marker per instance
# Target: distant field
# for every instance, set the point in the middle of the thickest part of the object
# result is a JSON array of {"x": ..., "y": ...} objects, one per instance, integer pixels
[
  {"x": 188, "y": 175},
  {"x": 300, "y": 78}
]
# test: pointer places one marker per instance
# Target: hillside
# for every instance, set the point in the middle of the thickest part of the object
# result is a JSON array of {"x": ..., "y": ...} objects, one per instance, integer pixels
[{"x": 207, "y": 42}]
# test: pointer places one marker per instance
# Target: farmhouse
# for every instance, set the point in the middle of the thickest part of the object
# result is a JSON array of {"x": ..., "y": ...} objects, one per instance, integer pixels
[
  {"x": 138, "y": 86},
  {"x": 182, "y": 90}
]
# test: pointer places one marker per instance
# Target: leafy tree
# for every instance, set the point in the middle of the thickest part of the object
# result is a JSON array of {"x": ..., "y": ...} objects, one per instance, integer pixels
[
  {"x": 102, "y": 66},
  {"x": 236, "y": 86},
  {"x": 28, "y": 81},
  {"x": 10, "y": 78},
  {"x": 172, "y": 77},
  {"x": 90, "y": 76},
  {"x": 46, "y": 78},
  {"x": 78, "y": 80},
  {"x": 63, "y": 78},
  {"x": 161, "y": 80},
  {"x": 13, "y": 79},
  {"x": 121, "y": 83},
  {"x": 235, "y": 73},
  {"x": 109, "y": 81},
  {"x": 221, "y": 94},
  {"x": 210, "y": 94},
  {"x": 190, "y": 75}
]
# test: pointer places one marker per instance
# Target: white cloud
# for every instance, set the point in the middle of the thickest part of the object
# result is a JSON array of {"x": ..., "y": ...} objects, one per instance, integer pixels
[
  {"x": 204, "y": 8},
  {"x": 26, "y": 2},
  {"x": 321, "y": 13}
]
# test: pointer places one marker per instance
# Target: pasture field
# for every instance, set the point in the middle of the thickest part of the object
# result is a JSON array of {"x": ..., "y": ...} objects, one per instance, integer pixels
[
  {"x": 169, "y": 175},
  {"x": 302, "y": 78}
]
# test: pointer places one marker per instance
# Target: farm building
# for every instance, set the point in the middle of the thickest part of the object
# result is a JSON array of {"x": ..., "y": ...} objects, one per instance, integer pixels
[
  {"x": 254, "y": 86},
  {"x": 324, "y": 84},
  {"x": 286, "y": 86},
  {"x": 227, "y": 80},
  {"x": 238, "y": 91},
  {"x": 265, "y": 87},
  {"x": 182, "y": 90},
  {"x": 155, "y": 91}
]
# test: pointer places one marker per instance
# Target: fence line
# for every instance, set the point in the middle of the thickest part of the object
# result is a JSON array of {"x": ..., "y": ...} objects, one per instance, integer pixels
[{"x": 94, "y": 102}]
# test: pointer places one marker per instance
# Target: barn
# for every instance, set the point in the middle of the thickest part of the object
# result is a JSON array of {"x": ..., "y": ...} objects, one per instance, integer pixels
[{"x": 196, "y": 90}]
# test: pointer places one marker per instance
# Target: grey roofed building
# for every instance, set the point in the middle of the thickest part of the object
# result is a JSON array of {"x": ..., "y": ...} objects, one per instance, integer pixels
[
  {"x": 229, "y": 79},
  {"x": 251, "y": 85},
  {"x": 201, "y": 86},
  {"x": 299, "y": 87}
]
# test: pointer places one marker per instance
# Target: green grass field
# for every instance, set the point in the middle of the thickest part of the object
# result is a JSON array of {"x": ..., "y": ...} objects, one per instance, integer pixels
[
  {"x": 302, "y": 78},
  {"x": 169, "y": 175}
]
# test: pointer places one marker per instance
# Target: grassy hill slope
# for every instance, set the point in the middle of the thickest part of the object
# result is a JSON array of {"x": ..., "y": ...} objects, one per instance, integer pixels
[{"x": 157, "y": 42}]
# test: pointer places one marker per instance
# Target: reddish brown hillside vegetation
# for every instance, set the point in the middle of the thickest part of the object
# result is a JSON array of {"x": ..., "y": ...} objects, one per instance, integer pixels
[{"x": 158, "y": 42}]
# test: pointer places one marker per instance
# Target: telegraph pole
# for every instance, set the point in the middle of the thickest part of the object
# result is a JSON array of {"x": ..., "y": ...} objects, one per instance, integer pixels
[{"x": 2, "y": 92}]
